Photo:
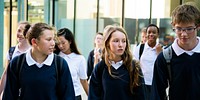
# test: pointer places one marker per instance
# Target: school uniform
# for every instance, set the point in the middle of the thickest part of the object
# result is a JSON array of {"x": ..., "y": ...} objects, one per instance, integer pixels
[
  {"x": 38, "y": 81},
  {"x": 185, "y": 75},
  {"x": 16, "y": 52},
  {"x": 104, "y": 87},
  {"x": 77, "y": 66},
  {"x": 90, "y": 63}
]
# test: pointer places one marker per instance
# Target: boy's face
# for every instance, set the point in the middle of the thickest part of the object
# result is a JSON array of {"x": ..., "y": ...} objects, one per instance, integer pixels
[{"x": 187, "y": 34}]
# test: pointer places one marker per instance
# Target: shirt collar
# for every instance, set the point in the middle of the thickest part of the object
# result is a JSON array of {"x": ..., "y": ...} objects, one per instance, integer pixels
[
  {"x": 48, "y": 61},
  {"x": 17, "y": 48},
  {"x": 147, "y": 46},
  {"x": 180, "y": 51},
  {"x": 67, "y": 55},
  {"x": 117, "y": 64}
]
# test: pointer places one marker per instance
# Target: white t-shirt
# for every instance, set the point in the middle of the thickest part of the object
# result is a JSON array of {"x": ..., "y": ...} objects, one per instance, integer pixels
[{"x": 78, "y": 69}]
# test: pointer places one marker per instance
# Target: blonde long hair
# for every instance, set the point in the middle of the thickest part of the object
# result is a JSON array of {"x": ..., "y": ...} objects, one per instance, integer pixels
[{"x": 126, "y": 57}]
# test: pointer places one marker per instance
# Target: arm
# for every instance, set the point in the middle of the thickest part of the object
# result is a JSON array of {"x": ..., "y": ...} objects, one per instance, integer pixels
[
  {"x": 85, "y": 85},
  {"x": 95, "y": 85},
  {"x": 90, "y": 64},
  {"x": 11, "y": 91},
  {"x": 158, "y": 49},
  {"x": 82, "y": 74},
  {"x": 97, "y": 56},
  {"x": 3, "y": 81}
]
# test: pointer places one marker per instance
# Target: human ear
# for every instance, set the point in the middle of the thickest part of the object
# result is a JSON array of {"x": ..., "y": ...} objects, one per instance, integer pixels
[{"x": 34, "y": 41}]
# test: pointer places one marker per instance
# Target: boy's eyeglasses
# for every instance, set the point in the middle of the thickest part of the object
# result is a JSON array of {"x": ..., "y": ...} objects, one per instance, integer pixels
[{"x": 187, "y": 30}]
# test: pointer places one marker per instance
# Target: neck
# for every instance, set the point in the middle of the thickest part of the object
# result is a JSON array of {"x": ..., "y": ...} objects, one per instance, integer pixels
[
  {"x": 37, "y": 56},
  {"x": 23, "y": 46},
  {"x": 151, "y": 44}
]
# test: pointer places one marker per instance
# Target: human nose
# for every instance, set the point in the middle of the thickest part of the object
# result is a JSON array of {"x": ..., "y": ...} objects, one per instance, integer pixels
[
  {"x": 120, "y": 43},
  {"x": 52, "y": 42}
]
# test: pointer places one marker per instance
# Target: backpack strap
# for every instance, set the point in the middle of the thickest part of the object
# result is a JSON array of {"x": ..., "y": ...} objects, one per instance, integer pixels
[
  {"x": 141, "y": 50},
  {"x": 20, "y": 62},
  {"x": 58, "y": 61},
  {"x": 167, "y": 53},
  {"x": 11, "y": 51}
]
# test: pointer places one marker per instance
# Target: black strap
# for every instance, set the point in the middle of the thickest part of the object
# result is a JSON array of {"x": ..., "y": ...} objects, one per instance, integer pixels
[
  {"x": 141, "y": 50},
  {"x": 20, "y": 62},
  {"x": 58, "y": 66},
  {"x": 11, "y": 50}
]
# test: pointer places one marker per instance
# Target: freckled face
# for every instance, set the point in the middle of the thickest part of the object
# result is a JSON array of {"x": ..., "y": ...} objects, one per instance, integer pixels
[
  {"x": 117, "y": 44},
  {"x": 46, "y": 42}
]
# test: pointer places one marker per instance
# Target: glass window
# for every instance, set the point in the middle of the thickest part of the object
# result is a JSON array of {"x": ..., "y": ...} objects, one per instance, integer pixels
[
  {"x": 110, "y": 12},
  {"x": 85, "y": 28},
  {"x": 64, "y": 14},
  {"x": 36, "y": 11},
  {"x": 137, "y": 14}
]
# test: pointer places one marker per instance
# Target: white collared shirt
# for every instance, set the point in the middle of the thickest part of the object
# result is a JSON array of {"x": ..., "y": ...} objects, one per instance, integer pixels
[
  {"x": 78, "y": 69},
  {"x": 180, "y": 51},
  {"x": 117, "y": 64},
  {"x": 147, "y": 60},
  {"x": 16, "y": 52},
  {"x": 30, "y": 61}
]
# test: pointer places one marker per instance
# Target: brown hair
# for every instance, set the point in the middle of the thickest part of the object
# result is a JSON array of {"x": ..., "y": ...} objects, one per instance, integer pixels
[
  {"x": 36, "y": 30},
  {"x": 186, "y": 13},
  {"x": 126, "y": 57}
]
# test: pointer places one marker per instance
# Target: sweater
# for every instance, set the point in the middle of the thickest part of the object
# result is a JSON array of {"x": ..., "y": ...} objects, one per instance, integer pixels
[
  {"x": 105, "y": 87},
  {"x": 38, "y": 83},
  {"x": 185, "y": 77}
]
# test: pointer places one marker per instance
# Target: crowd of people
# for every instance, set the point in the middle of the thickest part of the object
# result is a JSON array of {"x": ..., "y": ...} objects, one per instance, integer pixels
[{"x": 47, "y": 65}]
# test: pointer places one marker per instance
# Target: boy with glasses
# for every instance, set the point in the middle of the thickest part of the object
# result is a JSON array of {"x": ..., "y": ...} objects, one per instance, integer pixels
[{"x": 184, "y": 65}]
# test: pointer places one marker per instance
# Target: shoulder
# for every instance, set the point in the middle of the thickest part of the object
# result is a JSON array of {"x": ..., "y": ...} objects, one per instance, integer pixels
[
  {"x": 92, "y": 52},
  {"x": 78, "y": 56}
]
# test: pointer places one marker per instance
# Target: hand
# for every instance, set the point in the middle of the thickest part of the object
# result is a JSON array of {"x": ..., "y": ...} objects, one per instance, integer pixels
[{"x": 158, "y": 48}]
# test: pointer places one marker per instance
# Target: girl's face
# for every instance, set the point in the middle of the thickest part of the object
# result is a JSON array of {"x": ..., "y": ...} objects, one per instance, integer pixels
[
  {"x": 20, "y": 30},
  {"x": 117, "y": 45},
  {"x": 99, "y": 39},
  {"x": 45, "y": 44},
  {"x": 152, "y": 34},
  {"x": 64, "y": 45}
]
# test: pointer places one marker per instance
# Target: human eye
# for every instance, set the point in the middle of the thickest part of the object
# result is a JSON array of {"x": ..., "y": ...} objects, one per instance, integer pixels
[
  {"x": 178, "y": 29},
  {"x": 115, "y": 40},
  {"x": 62, "y": 42},
  {"x": 189, "y": 30},
  {"x": 124, "y": 41}
]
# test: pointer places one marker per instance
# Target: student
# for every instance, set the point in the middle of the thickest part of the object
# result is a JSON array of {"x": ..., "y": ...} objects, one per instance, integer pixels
[
  {"x": 76, "y": 61},
  {"x": 184, "y": 65},
  {"x": 95, "y": 55},
  {"x": 22, "y": 47},
  {"x": 143, "y": 35},
  {"x": 36, "y": 75},
  {"x": 147, "y": 54},
  {"x": 117, "y": 76}
]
